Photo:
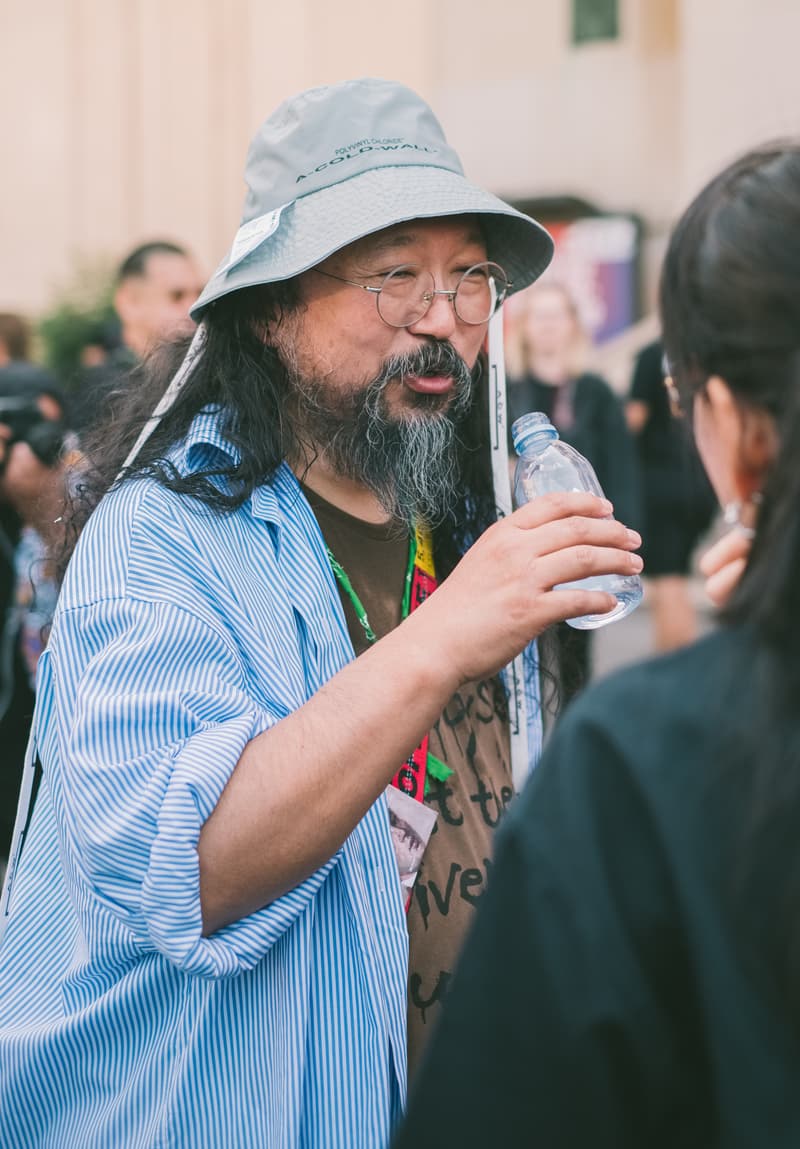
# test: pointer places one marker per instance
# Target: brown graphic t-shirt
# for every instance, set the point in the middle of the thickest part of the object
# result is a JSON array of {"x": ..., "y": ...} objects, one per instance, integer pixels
[{"x": 471, "y": 737}]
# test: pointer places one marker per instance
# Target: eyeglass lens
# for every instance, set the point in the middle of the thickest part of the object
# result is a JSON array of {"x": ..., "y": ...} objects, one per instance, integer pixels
[{"x": 408, "y": 292}]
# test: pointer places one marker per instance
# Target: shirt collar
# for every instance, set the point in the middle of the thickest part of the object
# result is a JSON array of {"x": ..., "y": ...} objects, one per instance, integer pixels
[
  {"x": 205, "y": 439},
  {"x": 266, "y": 500},
  {"x": 204, "y": 433}
]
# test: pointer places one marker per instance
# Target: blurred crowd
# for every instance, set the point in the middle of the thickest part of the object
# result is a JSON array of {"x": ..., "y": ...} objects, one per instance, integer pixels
[{"x": 44, "y": 421}]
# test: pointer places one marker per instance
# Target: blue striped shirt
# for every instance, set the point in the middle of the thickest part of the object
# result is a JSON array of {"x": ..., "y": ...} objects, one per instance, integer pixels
[{"x": 180, "y": 635}]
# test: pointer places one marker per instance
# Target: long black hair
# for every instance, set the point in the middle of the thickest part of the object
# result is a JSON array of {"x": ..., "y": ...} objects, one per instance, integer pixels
[{"x": 730, "y": 306}]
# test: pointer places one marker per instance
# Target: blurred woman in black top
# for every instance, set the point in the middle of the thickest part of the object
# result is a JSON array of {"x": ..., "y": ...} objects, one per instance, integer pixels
[{"x": 547, "y": 348}]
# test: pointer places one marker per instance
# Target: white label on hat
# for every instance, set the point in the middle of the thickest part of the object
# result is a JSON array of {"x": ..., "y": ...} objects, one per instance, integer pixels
[{"x": 252, "y": 234}]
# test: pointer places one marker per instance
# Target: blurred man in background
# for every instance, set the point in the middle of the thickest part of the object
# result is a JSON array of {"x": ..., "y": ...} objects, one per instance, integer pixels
[
  {"x": 32, "y": 437},
  {"x": 155, "y": 285}
]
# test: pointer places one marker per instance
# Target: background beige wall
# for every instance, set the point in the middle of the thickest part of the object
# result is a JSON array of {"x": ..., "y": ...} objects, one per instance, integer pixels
[
  {"x": 122, "y": 120},
  {"x": 739, "y": 80}
]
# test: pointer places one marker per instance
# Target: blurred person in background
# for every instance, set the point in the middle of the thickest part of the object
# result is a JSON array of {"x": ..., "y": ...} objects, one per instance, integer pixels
[
  {"x": 678, "y": 500},
  {"x": 15, "y": 339},
  {"x": 644, "y": 906},
  {"x": 546, "y": 356},
  {"x": 155, "y": 285},
  {"x": 20, "y": 375},
  {"x": 32, "y": 437}
]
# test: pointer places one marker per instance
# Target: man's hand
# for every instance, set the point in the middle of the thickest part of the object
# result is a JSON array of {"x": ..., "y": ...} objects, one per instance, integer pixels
[
  {"x": 723, "y": 565},
  {"x": 273, "y": 827},
  {"x": 501, "y": 594}
]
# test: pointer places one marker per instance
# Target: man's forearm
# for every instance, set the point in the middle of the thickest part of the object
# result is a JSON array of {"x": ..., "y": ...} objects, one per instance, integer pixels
[
  {"x": 285, "y": 810},
  {"x": 301, "y": 787}
]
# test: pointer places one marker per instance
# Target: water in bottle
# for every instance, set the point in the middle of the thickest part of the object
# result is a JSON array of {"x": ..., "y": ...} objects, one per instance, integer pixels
[{"x": 547, "y": 464}]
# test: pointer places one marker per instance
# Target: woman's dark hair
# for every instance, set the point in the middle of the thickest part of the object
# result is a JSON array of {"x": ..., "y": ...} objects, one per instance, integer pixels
[{"x": 730, "y": 306}]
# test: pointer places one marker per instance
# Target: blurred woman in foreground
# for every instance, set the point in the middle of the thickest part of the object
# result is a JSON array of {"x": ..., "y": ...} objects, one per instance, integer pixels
[{"x": 634, "y": 975}]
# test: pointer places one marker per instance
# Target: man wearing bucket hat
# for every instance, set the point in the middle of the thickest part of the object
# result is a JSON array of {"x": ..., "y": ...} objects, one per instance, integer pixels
[{"x": 207, "y": 938}]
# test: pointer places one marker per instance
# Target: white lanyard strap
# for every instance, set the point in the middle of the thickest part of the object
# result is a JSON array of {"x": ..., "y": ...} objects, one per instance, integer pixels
[
  {"x": 170, "y": 395},
  {"x": 501, "y": 479},
  {"x": 24, "y": 810}
]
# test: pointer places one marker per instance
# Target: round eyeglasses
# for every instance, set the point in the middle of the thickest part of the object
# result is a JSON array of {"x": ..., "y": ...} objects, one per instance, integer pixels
[{"x": 407, "y": 293}]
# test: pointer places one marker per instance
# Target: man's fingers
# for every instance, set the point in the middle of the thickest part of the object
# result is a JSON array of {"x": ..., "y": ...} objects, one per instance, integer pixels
[
  {"x": 560, "y": 505},
  {"x": 560, "y": 605},
  {"x": 584, "y": 561},
  {"x": 579, "y": 530}
]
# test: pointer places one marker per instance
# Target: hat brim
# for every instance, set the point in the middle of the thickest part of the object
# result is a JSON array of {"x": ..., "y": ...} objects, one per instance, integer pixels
[{"x": 315, "y": 226}]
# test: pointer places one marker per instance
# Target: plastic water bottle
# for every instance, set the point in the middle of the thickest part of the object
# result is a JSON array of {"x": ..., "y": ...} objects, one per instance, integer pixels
[{"x": 547, "y": 464}]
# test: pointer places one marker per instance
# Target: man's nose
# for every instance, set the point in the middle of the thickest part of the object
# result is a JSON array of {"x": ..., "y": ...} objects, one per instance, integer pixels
[{"x": 440, "y": 320}]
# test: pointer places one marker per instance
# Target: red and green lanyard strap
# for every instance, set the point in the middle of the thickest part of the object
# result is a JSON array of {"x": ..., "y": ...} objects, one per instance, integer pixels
[{"x": 420, "y": 582}]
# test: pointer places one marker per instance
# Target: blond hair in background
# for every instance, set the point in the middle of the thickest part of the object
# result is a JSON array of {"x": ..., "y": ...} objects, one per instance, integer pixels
[{"x": 544, "y": 334}]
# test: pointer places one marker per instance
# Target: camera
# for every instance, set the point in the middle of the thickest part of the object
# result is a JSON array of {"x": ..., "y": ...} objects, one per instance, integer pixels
[{"x": 27, "y": 424}]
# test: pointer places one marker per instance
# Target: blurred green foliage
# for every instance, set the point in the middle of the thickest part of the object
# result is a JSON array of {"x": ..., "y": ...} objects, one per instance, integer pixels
[
  {"x": 594, "y": 20},
  {"x": 80, "y": 316}
]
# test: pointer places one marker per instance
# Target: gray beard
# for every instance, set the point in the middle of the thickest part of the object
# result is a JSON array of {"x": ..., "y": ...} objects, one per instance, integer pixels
[{"x": 410, "y": 462}]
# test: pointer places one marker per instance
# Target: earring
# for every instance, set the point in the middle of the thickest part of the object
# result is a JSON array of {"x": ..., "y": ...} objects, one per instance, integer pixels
[{"x": 732, "y": 514}]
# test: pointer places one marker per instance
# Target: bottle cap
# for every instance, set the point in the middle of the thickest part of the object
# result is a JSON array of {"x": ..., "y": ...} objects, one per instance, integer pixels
[{"x": 530, "y": 428}]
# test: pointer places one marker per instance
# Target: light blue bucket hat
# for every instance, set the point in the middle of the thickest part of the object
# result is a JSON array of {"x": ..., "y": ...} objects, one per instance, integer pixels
[{"x": 340, "y": 162}]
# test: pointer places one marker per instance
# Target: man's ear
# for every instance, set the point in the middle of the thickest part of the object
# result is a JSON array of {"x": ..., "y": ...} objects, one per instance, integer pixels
[{"x": 748, "y": 432}]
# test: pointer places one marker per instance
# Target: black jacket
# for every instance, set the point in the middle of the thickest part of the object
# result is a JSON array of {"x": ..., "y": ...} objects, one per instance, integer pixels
[{"x": 618, "y": 990}]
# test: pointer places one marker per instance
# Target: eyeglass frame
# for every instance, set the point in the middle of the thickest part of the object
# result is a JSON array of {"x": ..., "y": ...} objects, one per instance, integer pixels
[{"x": 376, "y": 291}]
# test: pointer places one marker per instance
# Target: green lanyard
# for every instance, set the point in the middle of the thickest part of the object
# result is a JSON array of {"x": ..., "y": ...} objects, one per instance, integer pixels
[
  {"x": 436, "y": 768},
  {"x": 344, "y": 582}
]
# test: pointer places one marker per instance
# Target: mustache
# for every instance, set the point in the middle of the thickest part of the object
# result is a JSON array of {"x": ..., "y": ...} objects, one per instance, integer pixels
[
  {"x": 410, "y": 459},
  {"x": 438, "y": 357}
]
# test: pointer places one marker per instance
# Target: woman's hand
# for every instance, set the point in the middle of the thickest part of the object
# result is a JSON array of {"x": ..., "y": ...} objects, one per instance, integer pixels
[{"x": 723, "y": 565}]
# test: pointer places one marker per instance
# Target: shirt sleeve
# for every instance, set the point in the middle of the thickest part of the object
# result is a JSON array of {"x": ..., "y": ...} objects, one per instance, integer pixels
[
  {"x": 561, "y": 1028},
  {"x": 152, "y": 715}
]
